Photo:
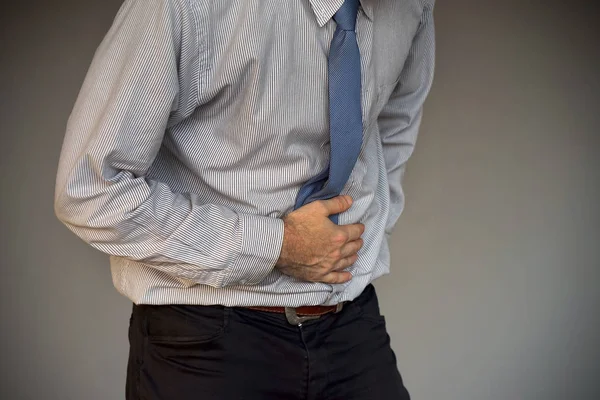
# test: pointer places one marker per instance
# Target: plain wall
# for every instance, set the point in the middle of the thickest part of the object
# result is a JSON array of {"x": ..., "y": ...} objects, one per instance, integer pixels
[{"x": 493, "y": 293}]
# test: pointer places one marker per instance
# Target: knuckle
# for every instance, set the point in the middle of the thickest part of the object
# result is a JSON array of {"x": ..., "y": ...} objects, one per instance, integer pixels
[
  {"x": 342, "y": 264},
  {"x": 340, "y": 237},
  {"x": 330, "y": 266},
  {"x": 320, "y": 204},
  {"x": 336, "y": 254},
  {"x": 316, "y": 263},
  {"x": 345, "y": 263},
  {"x": 359, "y": 231},
  {"x": 323, "y": 267},
  {"x": 339, "y": 266}
]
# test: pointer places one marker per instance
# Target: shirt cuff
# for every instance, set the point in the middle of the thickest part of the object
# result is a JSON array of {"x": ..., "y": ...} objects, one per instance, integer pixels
[{"x": 262, "y": 238}]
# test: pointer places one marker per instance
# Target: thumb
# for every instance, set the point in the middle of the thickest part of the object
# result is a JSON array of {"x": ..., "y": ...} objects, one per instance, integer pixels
[{"x": 337, "y": 204}]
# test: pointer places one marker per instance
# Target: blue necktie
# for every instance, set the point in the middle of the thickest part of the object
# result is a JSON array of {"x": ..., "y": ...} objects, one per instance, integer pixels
[{"x": 345, "y": 113}]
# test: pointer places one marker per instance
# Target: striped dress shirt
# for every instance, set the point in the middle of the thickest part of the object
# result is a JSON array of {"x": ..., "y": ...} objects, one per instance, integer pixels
[{"x": 199, "y": 121}]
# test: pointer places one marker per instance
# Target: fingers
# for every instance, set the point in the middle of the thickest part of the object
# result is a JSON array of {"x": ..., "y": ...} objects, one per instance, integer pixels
[
  {"x": 335, "y": 254},
  {"x": 337, "y": 274},
  {"x": 345, "y": 263},
  {"x": 336, "y": 205},
  {"x": 353, "y": 231},
  {"x": 348, "y": 257},
  {"x": 337, "y": 277},
  {"x": 351, "y": 248}
]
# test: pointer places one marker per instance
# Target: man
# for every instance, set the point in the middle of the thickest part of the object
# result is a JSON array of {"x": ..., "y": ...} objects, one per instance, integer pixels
[{"x": 241, "y": 163}]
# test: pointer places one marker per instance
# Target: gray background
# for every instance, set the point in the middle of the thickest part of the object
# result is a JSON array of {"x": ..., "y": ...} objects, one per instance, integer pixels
[{"x": 496, "y": 260}]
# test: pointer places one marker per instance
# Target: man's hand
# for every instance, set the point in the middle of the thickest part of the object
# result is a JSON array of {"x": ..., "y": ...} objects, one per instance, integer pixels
[{"x": 314, "y": 248}]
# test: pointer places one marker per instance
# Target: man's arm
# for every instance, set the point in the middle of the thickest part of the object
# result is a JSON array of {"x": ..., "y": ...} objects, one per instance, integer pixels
[
  {"x": 401, "y": 117},
  {"x": 138, "y": 84}
]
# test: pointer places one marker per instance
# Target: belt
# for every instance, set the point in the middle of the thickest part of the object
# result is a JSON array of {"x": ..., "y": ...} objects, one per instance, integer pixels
[{"x": 296, "y": 316}]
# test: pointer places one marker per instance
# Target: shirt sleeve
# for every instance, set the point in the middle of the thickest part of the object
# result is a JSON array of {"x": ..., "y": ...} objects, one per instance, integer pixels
[
  {"x": 140, "y": 82},
  {"x": 400, "y": 119}
]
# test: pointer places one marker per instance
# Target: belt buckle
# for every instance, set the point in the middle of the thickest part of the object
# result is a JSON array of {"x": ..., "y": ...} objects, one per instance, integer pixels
[{"x": 295, "y": 319}]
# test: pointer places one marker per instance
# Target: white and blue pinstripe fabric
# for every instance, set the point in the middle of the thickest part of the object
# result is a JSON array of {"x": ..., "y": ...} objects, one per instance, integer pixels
[{"x": 197, "y": 124}]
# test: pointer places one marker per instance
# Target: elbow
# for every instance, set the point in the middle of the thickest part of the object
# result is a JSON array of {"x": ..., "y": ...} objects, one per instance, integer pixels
[
  {"x": 58, "y": 210},
  {"x": 63, "y": 208},
  {"x": 65, "y": 193},
  {"x": 74, "y": 213},
  {"x": 59, "y": 203},
  {"x": 80, "y": 195},
  {"x": 71, "y": 201}
]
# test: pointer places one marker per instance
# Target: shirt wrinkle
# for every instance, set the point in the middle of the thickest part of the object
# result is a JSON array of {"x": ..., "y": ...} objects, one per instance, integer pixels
[{"x": 217, "y": 179}]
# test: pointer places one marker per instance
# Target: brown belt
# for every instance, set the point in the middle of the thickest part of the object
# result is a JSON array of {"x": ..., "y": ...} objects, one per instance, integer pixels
[
  {"x": 298, "y": 315},
  {"x": 304, "y": 310}
]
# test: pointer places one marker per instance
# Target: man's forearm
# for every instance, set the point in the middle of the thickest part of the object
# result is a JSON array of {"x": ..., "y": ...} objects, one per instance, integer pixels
[{"x": 138, "y": 84}]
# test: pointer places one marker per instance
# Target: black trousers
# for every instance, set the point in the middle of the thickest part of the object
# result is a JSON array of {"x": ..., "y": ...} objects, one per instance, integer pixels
[{"x": 222, "y": 353}]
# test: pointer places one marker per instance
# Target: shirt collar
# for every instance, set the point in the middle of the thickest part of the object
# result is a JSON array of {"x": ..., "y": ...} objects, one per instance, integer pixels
[{"x": 325, "y": 9}]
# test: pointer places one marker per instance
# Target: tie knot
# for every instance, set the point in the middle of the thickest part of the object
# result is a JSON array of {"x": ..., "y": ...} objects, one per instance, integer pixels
[{"x": 345, "y": 17}]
